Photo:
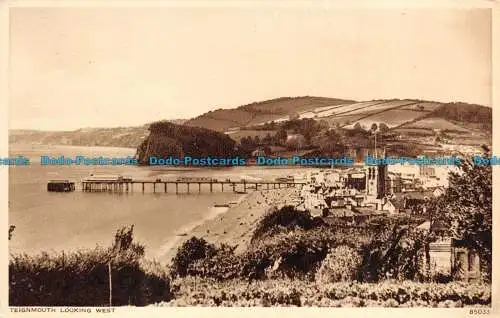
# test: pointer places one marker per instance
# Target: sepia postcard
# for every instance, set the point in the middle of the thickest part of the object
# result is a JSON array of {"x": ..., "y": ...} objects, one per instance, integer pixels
[{"x": 217, "y": 158}]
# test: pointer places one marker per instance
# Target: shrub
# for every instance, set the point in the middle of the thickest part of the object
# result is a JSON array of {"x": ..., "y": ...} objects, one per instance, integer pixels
[
  {"x": 286, "y": 218},
  {"x": 298, "y": 253},
  {"x": 294, "y": 254},
  {"x": 188, "y": 253},
  {"x": 341, "y": 264},
  {"x": 82, "y": 278},
  {"x": 222, "y": 264}
]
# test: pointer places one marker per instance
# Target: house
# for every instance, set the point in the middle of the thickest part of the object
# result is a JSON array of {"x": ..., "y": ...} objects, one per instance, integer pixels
[
  {"x": 395, "y": 204},
  {"x": 315, "y": 204},
  {"x": 414, "y": 198},
  {"x": 259, "y": 152},
  {"x": 406, "y": 202},
  {"x": 295, "y": 140},
  {"x": 390, "y": 207},
  {"x": 439, "y": 191},
  {"x": 356, "y": 180},
  {"x": 427, "y": 171},
  {"x": 451, "y": 257},
  {"x": 275, "y": 150},
  {"x": 393, "y": 183},
  {"x": 345, "y": 211}
]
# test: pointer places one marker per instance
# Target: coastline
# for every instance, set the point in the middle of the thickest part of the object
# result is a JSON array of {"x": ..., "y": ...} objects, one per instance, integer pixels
[{"x": 233, "y": 225}]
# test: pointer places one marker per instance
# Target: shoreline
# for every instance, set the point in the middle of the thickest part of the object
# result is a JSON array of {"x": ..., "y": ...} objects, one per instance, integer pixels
[
  {"x": 184, "y": 232},
  {"x": 233, "y": 225}
]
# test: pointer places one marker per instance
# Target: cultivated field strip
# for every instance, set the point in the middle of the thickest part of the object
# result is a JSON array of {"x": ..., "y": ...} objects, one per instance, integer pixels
[
  {"x": 427, "y": 106},
  {"x": 330, "y": 107},
  {"x": 382, "y": 106},
  {"x": 342, "y": 120},
  {"x": 435, "y": 123},
  {"x": 348, "y": 109},
  {"x": 392, "y": 118},
  {"x": 382, "y": 116}
]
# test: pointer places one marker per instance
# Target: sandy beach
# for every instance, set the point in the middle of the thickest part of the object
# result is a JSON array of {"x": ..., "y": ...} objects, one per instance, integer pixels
[{"x": 235, "y": 225}]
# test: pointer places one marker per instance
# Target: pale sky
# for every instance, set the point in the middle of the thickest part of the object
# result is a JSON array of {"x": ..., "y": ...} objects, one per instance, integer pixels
[{"x": 96, "y": 67}]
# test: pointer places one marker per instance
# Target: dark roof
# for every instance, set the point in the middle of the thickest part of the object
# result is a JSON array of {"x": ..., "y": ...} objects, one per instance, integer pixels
[
  {"x": 398, "y": 202},
  {"x": 439, "y": 225},
  {"x": 419, "y": 195},
  {"x": 341, "y": 210},
  {"x": 277, "y": 148},
  {"x": 364, "y": 211}
]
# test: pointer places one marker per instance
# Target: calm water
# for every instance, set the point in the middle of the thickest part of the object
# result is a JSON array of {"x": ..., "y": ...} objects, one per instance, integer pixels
[{"x": 47, "y": 221}]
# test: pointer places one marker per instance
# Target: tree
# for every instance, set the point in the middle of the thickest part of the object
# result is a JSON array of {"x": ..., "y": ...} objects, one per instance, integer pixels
[
  {"x": 374, "y": 127},
  {"x": 383, "y": 127},
  {"x": 295, "y": 142},
  {"x": 267, "y": 139},
  {"x": 466, "y": 208},
  {"x": 281, "y": 135},
  {"x": 11, "y": 230},
  {"x": 256, "y": 140},
  {"x": 331, "y": 143}
]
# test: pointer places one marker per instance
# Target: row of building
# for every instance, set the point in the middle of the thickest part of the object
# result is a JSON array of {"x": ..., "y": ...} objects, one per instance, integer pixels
[{"x": 372, "y": 189}]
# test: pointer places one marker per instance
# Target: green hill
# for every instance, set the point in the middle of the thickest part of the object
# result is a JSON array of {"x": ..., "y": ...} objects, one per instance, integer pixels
[
  {"x": 167, "y": 139},
  {"x": 261, "y": 112}
]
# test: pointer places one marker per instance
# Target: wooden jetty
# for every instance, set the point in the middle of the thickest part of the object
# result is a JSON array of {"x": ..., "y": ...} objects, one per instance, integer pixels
[
  {"x": 60, "y": 186},
  {"x": 127, "y": 185}
]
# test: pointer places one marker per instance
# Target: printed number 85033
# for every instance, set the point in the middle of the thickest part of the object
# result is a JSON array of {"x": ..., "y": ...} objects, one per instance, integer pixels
[{"x": 479, "y": 311}]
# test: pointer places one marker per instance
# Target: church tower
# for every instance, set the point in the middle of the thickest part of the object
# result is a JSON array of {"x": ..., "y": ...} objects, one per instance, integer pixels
[{"x": 376, "y": 179}]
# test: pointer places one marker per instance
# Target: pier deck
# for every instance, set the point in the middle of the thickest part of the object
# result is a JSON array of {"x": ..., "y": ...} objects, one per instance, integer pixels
[{"x": 126, "y": 186}]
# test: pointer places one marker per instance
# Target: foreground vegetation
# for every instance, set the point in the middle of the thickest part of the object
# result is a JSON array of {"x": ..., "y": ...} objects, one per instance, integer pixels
[
  {"x": 83, "y": 278},
  {"x": 205, "y": 292},
  {"x": 293, "y": 260}
]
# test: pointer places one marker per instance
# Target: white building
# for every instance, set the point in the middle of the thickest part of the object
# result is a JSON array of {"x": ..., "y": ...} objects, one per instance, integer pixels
[{"x": 315, "y": 204}]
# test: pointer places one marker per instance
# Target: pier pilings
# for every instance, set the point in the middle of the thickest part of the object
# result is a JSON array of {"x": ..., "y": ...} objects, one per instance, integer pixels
[{"x": 128, "y": 186}]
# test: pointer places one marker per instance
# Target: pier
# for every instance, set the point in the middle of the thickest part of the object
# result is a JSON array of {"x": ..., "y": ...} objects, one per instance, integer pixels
[
  {"x": 60, "y": 186},
  {"x": 123, "y": 186}
]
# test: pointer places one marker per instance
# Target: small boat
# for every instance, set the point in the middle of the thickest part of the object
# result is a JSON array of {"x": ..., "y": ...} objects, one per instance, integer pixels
[
  {"x": 196, "y": 179},
  {"x": 221, "y": 205},
  {"x": 240, "y": 192},
  {"x": 285, "y": 179}
]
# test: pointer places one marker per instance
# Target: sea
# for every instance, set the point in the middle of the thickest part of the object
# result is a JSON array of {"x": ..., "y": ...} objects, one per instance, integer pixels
[{"x": 54, "y": 222}]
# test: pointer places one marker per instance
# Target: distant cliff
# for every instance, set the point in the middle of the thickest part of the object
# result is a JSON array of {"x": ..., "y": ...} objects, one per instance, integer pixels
[
  {"x": 168, "y": 139},
  {"x": 128, "y": 137}
]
